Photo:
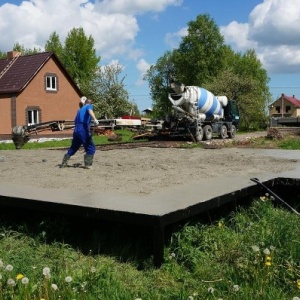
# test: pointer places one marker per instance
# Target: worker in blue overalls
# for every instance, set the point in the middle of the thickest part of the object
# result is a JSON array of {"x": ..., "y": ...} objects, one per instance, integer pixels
[{"x": 82, "y": 134}]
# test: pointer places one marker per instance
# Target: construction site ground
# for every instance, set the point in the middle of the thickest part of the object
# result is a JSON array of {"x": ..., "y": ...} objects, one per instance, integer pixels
[{"x": 151, "y": 184}]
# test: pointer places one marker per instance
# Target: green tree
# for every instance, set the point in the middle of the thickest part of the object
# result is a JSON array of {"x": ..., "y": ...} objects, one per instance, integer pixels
[
  {"x": 80, "y": 59},
  {"x": 54, "y": 44},
  {"x": 25, "y": 51},
  {"x": 3, "y": 55},
  {"x": 244, "y": 80},
  {"x": 200, "y": 55},
  {"x": 109, "y": 94},
  {"x": 159, "y": 76}
]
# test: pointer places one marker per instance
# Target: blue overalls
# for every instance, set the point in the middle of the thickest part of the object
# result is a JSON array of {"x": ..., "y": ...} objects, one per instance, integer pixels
[{"x": 82, "y": 134}]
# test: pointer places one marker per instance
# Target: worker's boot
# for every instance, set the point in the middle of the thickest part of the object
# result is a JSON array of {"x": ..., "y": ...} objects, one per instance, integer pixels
[
  {"x": 65, "y": 161},
  {"x": 88, "y": 161}
]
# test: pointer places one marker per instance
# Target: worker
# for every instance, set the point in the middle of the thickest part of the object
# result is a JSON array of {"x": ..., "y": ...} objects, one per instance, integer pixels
[{"x": 82, "y": 134}]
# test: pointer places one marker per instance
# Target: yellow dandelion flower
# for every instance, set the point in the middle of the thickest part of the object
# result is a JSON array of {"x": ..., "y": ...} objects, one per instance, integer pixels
[
  {"x": 220, "y": 224},
  {"x": 268, "y": 258},
  {"x": 268, "y": 263},
  {"x": 298, "y": 283},
  {"x": 19, "y": 276}
]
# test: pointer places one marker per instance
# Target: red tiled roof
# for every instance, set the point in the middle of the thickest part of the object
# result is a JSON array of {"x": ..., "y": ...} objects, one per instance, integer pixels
[
  {"x": 23, "y": 70},
  {"x": 293, "y": 100}
]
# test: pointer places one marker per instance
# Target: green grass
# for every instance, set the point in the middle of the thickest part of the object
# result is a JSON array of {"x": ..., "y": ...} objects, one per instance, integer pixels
[
  {"x": 251, "y": 254},
  {"x": 65, "y": 143}
]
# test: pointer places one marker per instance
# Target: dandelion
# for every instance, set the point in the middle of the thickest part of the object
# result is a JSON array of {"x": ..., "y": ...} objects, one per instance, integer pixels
[
  {"x": 211, "y": 290},
  {"x": 190, "y": 298},
  {"x": 172, "y": 255},
  {"x": 93, "y": 269},
  {"x": 68, "y": 279},
  {"x": 9, "y": 268},
  {"x": 272, "y": 248},
  {"x": 236, "y": 288},
  {"x": 263, "y": 198},
  {"x": 266, "y": 251},
  {"x": 138, "y": 299},
  {"x": 268, "y": 261},
  {"x": 25, "y": 280},
  {"x": 11, "y": 282},
  {"x": 220, "y": 224},
  {"x": 255, "y": 248},
  {"x": 298, "y": 283},
  {"x": 46, "y": 271},
  {"x": 19, "y": 276},
  {"x": 296, "y": 298},
  {"x": 54, "y": 287}
]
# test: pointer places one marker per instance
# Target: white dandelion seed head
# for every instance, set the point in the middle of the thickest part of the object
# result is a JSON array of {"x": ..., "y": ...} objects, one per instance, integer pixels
[
  {"x": 46, "y": 271},
  {"x": 211, "y": 290},
  {"x": 93, "y": 270},
  {"x": 236, "y": 288},
  {"x": 173, "y": 254},
  {"x": 11, "y": 282},
  {"x": 296, "y": 298},
  {"x": 25, "y": 280},
  {"x": 190, "y": 298},
  {"x": 54, "y": 286},
  {"x": 272, "y": 248},
  {"x": 266, "y": 251},
  {"x": 68, "y": 279},
  {"x": 9, "y": 268},
  {"x": 255, "y": 248}
]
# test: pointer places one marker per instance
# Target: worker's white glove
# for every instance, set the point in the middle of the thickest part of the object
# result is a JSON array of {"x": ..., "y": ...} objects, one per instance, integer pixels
[{"x": 96, "y": 122}]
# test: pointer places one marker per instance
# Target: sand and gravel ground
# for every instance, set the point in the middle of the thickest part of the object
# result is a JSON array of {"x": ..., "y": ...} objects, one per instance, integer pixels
[{"x": 138, "y": 171}]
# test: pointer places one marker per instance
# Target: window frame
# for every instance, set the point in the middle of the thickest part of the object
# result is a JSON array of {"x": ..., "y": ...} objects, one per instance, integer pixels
[
  {"x": 51, "y": 82},
  {"x": 35, "y": 115}
]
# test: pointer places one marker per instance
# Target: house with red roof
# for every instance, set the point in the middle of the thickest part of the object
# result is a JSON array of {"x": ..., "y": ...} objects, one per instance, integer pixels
[
  {"x": 285, "y": 107},
  {"x": 35, "y": 89}
]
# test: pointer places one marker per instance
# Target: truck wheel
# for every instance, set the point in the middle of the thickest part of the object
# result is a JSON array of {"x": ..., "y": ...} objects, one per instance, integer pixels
[
  {"x": 232, "y": 133},
  {"x": 199, "y": 134},
  {"x": 207, "y": 132},
  {"x": 223, "y": 132}
]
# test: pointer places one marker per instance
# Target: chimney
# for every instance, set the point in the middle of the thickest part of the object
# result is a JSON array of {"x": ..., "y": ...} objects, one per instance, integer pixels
[
  {"x": 13, "y": 54},
  {"x": 293, "y": 96}
]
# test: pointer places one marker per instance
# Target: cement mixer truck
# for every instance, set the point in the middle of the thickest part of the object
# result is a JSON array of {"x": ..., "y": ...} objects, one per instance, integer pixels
[{"x": 198, "y": 115}]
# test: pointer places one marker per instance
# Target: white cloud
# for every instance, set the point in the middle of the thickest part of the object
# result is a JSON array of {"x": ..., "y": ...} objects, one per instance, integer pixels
[
  {"x": 134, "y": 6},
  {"x": 142, "y": 66},
  {"x": 273, "y": 31},
  {"x": 173, "y": 39},
  {"x": 112, "y": 23}
]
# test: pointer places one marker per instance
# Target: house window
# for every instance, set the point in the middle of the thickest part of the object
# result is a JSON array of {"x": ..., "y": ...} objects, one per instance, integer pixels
[
  {"x": 287, "y": 109},
  {"x": 51, "y": 82},
  {"x": 277, "y": 109},
  {"x": 33, "y": 116}
]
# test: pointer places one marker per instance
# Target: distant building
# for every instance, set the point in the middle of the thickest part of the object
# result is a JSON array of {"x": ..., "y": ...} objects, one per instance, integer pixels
[
  {"x": 147, "y": 111},
  {"x": 285, "y": 110}
]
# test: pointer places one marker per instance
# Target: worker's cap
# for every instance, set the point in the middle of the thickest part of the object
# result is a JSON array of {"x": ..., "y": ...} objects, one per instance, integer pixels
[{"x": 83, "y": 99}]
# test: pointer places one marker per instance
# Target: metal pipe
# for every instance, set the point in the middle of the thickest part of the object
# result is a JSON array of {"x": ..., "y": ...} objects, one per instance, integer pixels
[{"x": 256, "y": 180}]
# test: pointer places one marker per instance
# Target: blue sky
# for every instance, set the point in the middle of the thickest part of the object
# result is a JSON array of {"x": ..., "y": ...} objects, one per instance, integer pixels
[{"x": 135, "y": 33}]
